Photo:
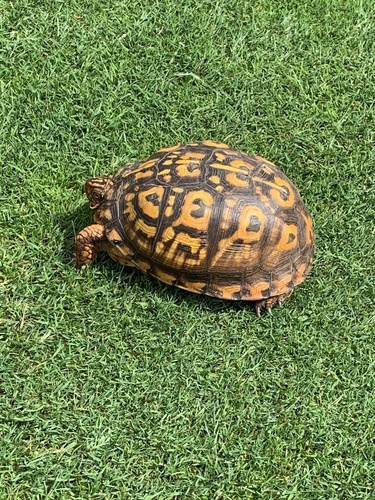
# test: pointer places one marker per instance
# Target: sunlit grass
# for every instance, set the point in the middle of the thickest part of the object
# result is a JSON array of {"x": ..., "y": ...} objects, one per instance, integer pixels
[{"x": 116, "y": 386}]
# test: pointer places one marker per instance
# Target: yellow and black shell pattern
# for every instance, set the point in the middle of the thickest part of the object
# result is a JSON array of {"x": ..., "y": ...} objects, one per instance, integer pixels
[{"x": 211, "y": 220}]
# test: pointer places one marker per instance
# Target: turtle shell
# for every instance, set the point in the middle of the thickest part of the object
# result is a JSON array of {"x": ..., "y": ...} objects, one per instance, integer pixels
[{"x": 211, "y": 220}]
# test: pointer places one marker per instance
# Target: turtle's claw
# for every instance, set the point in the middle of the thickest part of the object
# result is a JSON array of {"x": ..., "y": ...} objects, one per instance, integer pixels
[
  {"x": 258, "y": 307},
  {"x": 270, "y": 303}
]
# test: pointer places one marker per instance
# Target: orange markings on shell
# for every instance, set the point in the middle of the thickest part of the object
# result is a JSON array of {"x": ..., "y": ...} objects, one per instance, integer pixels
[
  {"x": 281, "y": 285},
  {"x": 288, "y": 240},
  {"x": 228, "y": 291},
  {"x": 105, "y": 214},
  {"x": 113, "y": 235},
  {"x": 164, "y": 276},
  {"x": 166, "y": 171},
  {"x": 183, "y": 170},
  {"x": 143, "y": 265},
  {"x": 242, "y": 166},
  {"x": 171, "y": 200},
  {"x": 191, "y": 156},
  {"x": 146, "y": 229},
  {"x": 309, "y": 229},
  {"x": 283, "y": 193},
  {"x": 257, "y": 290},
  {"x": 230, "y": 203},
  {"x": 146, "y": 166},
  {"x": 220, "y": 156},
  {"x": 300, "y": 274},
  {"x": 192, "y": 203},
  {"x": 252, "y": 222},
  {"x": 167, "y": 235},
  {"x": 263, "y": 160},
  {"x": 172, "y": 148},
  {"x": 148, "y": 207},
  {"x": 129, "y": 211},
  {"x": 192, "y": 286},
  {"x": 236, "y": 181},
  {"x": 144, "y": 174},
  {"x": 228, "y": 168},
  {"x": 218, "y": 145},
  {"x": 279, "y": 191},
  {"x": 238, "y": 249},
  {"x": 187, "y": 240},
  {"x": 215, "y": 179},
  {"x": 281, "y": 246},
  {"x": 169, "y": 211},
  {"x": 171, "y": 249}
]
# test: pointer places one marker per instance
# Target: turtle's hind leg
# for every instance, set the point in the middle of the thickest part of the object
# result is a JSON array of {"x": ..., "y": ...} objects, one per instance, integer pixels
[{"x": 271, "y": 302}]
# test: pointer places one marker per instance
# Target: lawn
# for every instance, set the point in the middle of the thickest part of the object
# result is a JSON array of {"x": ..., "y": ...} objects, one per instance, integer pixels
[{"x": 114, "y": 385}]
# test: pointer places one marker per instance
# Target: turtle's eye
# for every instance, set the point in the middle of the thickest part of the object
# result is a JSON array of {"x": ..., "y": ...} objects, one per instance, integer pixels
[{"x": 95, "y": 198}]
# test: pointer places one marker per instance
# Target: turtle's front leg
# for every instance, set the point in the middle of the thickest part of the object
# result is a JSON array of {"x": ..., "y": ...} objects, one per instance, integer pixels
[{"x": 89, "y": 242}]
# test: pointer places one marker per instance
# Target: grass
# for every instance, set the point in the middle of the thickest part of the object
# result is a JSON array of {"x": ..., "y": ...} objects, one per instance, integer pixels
[{"x": 116, "y": 386}]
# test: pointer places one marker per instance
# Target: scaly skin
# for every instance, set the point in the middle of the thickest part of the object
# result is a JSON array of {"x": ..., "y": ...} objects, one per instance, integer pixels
[{"x": 89, "y": 243}]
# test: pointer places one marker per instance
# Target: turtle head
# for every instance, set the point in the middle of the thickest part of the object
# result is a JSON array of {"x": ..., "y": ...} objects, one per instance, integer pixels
[{"x": 95, "y": 190}]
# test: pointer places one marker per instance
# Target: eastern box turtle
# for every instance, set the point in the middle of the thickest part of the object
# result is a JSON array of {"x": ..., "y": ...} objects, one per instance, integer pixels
[{"x": 205, "y": 218}]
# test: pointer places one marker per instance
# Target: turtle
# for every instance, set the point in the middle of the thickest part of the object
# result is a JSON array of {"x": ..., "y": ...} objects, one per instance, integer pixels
[{"x": 206, "y": 218}]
